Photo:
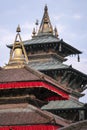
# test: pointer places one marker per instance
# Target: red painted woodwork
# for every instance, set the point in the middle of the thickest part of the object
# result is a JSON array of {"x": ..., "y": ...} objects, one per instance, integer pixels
[
  {"x": 54, "y": 98},
  {"x": 34, "y": 84},
  {"x": 34, "y": 127}
]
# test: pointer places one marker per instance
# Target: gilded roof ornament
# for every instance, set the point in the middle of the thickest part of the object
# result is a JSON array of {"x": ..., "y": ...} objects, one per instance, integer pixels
[
  {"x": 46, "y": 8},
  {"x": 18, "y": 55},
  {"x": 55, "y": 32},
  {"x": 34, "y": 32},
  {"x": 45, "y": 26},
  {"x": 18, "y": 29}
]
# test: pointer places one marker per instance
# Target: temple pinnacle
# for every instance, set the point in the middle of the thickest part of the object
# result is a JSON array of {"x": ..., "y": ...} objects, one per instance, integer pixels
[
  {"x": 46, "y": 8},
  {"x": 18, "y": 29}
]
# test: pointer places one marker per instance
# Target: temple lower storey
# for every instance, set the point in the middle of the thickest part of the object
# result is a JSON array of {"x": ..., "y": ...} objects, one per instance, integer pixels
[{"x": 37, "y": 90}]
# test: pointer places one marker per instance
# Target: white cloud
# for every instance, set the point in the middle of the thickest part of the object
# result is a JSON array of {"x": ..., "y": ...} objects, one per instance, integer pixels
[
  {"x": 85, "y": 51},
  {"x": 77, "y": 16},
  {"x": 28, "y": 26},
  {"x": 61, "y": 28},
  {"x": 58, "y": 17},
  {"x": 6, "y": 36},
  {"x": 27, "y": 29},
  {"x": 67, "y": 16}
]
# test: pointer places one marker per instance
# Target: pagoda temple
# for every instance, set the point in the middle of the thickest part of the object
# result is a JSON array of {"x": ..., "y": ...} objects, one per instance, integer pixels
[{"x": 37, "y": 90}]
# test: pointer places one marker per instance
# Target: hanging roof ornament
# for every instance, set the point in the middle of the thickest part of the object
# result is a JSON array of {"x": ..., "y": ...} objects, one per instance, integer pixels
[
  {"x": 78, "y": 58},
  {"x": 60, "y": 47},
  {"x": 45, "y": 26}
]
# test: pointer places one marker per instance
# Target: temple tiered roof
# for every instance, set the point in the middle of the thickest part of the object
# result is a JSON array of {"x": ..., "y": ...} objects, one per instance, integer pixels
[
  {"x": 63, "y": 104},
  {"x": 35, "y": 79},
  {"x": 20, "y": 115},
  {"x": 47, "y": 38},
  {"x": 47, "y": 52}
]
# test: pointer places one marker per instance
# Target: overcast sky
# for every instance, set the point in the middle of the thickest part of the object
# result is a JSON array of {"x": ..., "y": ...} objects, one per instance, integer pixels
[{"x": 69, "y": 16}]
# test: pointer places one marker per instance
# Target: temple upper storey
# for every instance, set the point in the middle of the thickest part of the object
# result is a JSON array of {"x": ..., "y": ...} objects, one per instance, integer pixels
[{"x": 45, "y": 40}]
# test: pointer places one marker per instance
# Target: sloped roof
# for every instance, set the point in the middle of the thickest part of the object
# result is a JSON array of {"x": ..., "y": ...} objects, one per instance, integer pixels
[
  {"x": 46, "y": 61},
  {"x": 26, "y": 114},
  {"x": 27, "y": 78},
  {"x": 78, "y": 72},
  {"x": 56, "y": 65},
  {"x": 63, "y": 104},
  {"x": 17, "y": 74},
  {"x": 81, "y": 125},
  {"x": 42, "y": 40},
  {"x": 51, "y": 56},
  {"x": 45, "y": 39},
  {"x": 47, "y": 65}
]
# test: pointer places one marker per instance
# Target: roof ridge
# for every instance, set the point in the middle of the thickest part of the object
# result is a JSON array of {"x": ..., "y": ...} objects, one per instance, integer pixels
[{"x": 47, "y": 78}]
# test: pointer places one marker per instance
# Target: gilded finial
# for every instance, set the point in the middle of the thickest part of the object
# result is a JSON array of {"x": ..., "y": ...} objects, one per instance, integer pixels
[
  {"x": 18, "y": 55},
  {"x": 55, "y": 32},
  {"x": 18, "y": 29},
  {"x": 37, "y": 22},
  {"x": 46, "y": 8},
  {"x": 34, "y": 32}
]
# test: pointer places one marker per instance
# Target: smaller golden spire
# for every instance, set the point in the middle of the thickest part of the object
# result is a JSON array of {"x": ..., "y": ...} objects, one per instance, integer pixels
[
  {"x": 18, "y": 55},
  {"x": 56, "y": 32}
]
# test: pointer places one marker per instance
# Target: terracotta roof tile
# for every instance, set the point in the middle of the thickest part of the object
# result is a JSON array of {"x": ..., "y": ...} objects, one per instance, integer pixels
[
  {"x": 18, "y": 74},
  {"x": 25, "y": 114},
  {"x": 21, "y": 114},
  {"x": 27, "y": 74}
]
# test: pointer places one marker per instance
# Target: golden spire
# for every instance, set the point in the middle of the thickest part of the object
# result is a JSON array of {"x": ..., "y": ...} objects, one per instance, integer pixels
[
  {"x": 45, "y": 26},
  {"x": 18, "y": 56}
]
